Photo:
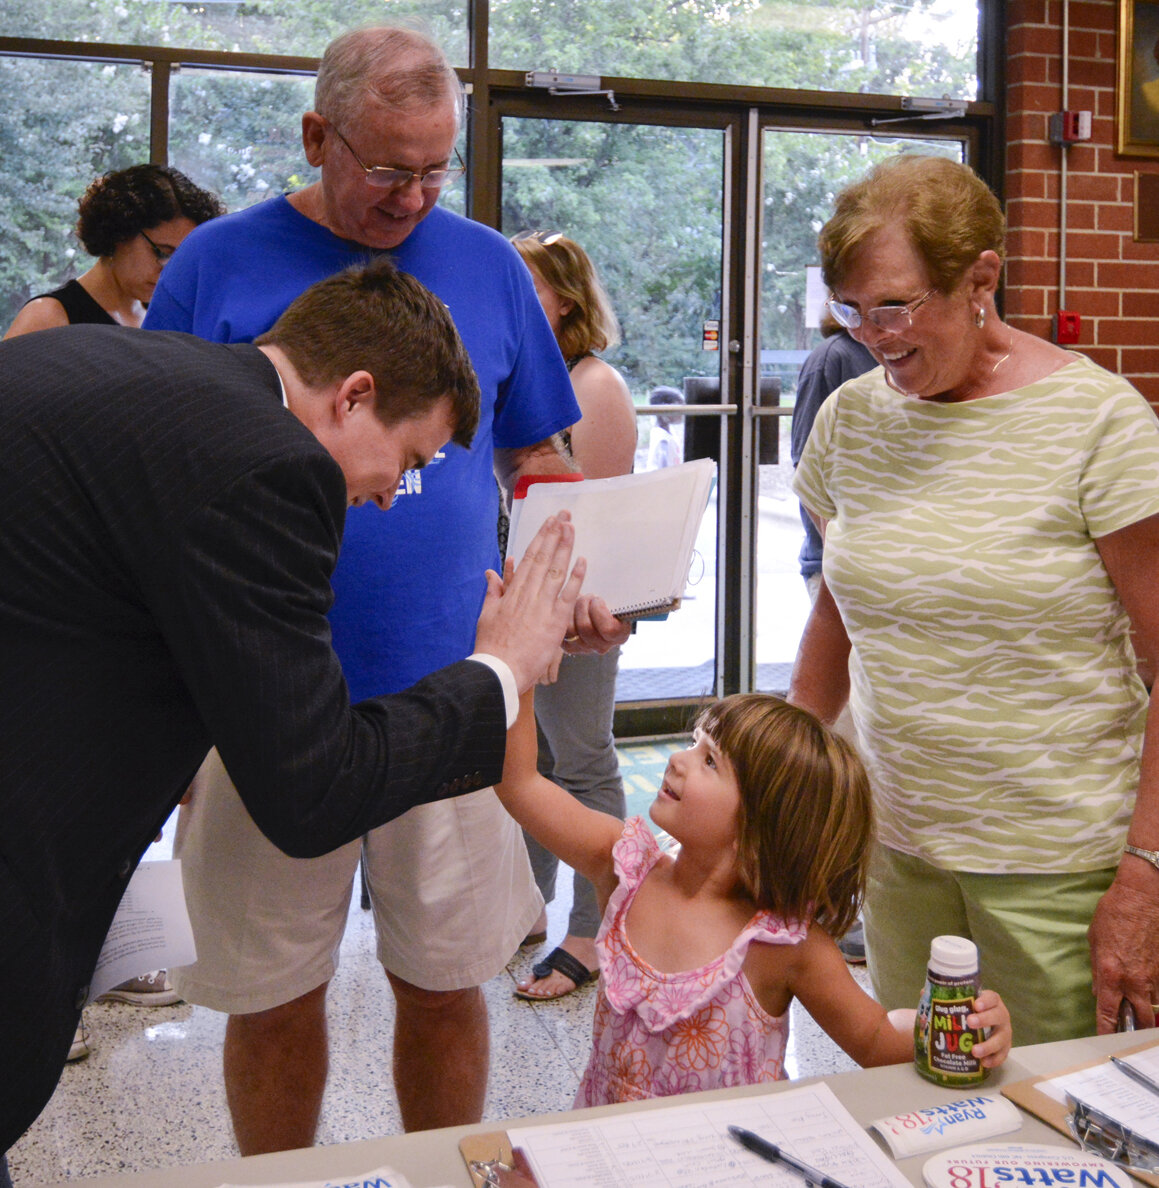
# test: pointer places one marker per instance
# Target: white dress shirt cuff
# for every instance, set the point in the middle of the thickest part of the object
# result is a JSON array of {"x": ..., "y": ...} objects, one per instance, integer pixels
[{"x": 507, "y": 679}]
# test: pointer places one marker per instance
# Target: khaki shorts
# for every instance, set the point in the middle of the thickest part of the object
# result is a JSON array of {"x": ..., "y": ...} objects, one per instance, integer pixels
[
  {"x": 450, "y": 886},
  {"x": 1030, "y": 929}
]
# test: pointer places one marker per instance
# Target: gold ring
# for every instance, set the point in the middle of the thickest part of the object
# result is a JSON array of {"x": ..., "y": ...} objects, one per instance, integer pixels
[{"x": 570, "y": 638}]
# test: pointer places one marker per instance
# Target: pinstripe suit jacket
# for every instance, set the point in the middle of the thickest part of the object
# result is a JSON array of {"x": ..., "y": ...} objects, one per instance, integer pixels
[{"x": 167, "y": 534}]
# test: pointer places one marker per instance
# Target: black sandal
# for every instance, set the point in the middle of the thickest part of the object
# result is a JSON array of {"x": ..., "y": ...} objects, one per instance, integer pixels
[{"x": 561, "y": 961}]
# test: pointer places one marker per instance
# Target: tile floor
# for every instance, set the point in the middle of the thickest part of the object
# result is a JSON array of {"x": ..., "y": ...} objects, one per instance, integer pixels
[{"x": 151, "y": 1094}]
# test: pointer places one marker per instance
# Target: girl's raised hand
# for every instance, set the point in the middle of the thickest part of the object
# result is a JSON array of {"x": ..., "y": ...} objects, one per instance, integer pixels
[{"x": 990, "y": 1011}]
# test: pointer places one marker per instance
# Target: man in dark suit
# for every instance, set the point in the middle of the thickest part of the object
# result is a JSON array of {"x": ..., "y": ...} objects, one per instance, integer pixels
[{"x": 170, "y": 514}]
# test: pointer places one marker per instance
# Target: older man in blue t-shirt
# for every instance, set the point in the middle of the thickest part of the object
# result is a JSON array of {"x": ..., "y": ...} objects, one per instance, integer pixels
[{"x": 451, "y": 886}]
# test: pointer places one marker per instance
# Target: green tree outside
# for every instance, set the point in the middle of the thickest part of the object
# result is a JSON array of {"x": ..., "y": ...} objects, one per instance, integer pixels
[{"x": 644, "y": 201}]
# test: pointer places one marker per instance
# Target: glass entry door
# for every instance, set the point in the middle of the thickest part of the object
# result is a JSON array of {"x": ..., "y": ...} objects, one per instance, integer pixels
[
  {"x": 646, "y": 203},
  {"x": 705, "y": 238},
  {"x": 802, "y": 172}
]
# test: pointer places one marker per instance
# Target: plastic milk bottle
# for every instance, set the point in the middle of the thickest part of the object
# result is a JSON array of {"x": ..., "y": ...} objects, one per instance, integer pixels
[{"x": 943, "y": 1044}]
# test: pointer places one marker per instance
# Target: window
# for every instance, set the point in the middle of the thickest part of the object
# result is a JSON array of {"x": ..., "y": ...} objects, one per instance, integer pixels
[
  {"x": 70, "y": 122},
  {"x": 255, "y": 27},
  {"x": 238, "y": 134},
  {"x": 697, "y": 188},
  {"x": 880, "y": 46}
]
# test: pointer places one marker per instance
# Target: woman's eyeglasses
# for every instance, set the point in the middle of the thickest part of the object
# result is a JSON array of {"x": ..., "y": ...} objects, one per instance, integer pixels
[
  {"x": 546, "y": 238},
  {"x": 884, "y": 317},
  {"x": 162, "y": 252}
]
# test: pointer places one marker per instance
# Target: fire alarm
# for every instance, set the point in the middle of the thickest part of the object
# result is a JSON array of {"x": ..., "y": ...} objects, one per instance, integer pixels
[
  {"x": 1065, "y": 327},
  {"x": 1067, "y": 127}
]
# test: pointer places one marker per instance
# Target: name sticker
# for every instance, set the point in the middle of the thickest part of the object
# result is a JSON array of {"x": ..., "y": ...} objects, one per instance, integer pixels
[{"x": 969, "y": 1119}]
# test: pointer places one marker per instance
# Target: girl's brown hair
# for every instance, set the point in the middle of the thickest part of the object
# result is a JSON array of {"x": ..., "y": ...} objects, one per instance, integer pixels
[
  {"x": 805, "y": 816},
  {"x": 590, "y": 324}
]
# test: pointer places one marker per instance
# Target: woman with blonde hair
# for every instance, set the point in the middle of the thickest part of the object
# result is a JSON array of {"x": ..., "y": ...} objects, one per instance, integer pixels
[
  {"x": 991, "y": 528},
  {"x": 581, "y": 316},
  {"x": 575, "y": 712}
]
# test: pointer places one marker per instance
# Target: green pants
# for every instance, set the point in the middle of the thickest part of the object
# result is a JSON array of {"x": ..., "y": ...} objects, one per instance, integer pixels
[{"x": 1030, "y": 929}]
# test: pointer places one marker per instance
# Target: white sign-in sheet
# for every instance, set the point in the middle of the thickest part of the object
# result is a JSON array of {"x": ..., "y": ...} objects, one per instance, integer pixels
[{"x": 689, "y": 1146}]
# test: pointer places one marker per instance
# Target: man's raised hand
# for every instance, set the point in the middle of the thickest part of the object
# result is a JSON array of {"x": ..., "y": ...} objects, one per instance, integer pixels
[{"x": 527, "y": 613}]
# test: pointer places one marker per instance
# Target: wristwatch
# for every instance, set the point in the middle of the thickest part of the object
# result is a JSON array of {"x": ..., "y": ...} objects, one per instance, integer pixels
[{"x": 1151, "y": 856}]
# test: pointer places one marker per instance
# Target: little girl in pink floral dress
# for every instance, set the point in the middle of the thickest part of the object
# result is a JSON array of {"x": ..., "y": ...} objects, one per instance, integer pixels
[{"x": 703, "y": 948}]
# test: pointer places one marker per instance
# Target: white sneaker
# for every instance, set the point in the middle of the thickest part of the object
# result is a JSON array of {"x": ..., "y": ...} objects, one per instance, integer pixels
[
  {"x": 82, "y": 1045},
  {"x": 151, "y": 990}
]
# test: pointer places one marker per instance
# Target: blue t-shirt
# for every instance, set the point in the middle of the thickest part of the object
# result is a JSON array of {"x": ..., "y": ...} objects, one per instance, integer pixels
[{"x": 409, "y": 582}]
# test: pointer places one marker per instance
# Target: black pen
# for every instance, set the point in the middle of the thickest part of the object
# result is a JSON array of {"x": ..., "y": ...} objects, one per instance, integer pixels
[{"x": 775, "y": 1154}]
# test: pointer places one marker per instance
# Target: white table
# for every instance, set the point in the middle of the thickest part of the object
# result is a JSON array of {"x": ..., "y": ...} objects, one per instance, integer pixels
[{"x": 432, "y": 1157}]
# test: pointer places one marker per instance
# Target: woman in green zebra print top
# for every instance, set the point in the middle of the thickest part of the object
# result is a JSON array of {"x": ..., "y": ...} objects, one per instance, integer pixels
[{"x": 990, "y": 504}]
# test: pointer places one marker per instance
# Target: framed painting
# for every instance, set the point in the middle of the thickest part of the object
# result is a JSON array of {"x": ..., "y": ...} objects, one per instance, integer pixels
[{"x": 1137, "y": 94}]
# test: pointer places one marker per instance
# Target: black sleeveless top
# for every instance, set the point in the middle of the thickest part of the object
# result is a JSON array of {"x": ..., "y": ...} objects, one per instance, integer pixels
[{"x": 80, "y": 305}]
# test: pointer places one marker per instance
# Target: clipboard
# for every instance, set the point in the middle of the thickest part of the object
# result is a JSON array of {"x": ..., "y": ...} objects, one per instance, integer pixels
[
  {"x": 482, "y": 1148},
  {"x": 1026, "y": 1095},
  {"x": 637, "y": 1145}
]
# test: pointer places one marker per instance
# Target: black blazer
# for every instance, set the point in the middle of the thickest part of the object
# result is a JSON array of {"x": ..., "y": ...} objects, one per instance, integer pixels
[{"x": 167, "y": 534}]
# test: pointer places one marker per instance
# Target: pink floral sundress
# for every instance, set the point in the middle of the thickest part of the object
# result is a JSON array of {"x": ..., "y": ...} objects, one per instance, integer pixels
[{"x": 658, "y": 1034}]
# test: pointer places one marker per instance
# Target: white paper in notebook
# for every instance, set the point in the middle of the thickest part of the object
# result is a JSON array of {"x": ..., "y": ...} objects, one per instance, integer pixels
[{"x": 637, "y": 531}]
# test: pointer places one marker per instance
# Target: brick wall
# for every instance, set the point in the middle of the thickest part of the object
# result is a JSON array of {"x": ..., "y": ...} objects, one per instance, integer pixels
[{"x": 1112, "y": 282}]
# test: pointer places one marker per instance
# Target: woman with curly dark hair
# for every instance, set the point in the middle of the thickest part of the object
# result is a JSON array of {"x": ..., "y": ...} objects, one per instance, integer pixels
[{"x": 132, "y": 220}]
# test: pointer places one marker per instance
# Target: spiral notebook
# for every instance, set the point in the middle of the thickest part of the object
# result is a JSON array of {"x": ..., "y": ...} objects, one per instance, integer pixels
[{"x": 637, "y": 531}]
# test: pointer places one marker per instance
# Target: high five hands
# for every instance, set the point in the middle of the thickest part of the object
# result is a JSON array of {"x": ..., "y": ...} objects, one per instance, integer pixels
[{"x": 534, "y": 608}]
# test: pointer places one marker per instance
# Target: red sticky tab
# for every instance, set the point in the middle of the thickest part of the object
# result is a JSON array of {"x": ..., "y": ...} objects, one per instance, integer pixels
[{"x": 526, "y": 480}]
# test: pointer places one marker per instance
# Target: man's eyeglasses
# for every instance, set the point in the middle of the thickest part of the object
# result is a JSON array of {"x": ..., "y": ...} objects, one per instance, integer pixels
[
  {"x": 162, "y": 251},
  {"x": 546, "y": 238},
  {"x": 387, "y": 177},
  {"x": 884, "y": 317}
]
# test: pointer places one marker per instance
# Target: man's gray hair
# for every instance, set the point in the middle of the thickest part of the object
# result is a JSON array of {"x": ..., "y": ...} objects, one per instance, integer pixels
[{"x": 397, "y": 66}]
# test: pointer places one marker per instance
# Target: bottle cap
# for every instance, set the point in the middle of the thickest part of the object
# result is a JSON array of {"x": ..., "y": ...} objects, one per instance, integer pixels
[{"x": 954, "y": 956}]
